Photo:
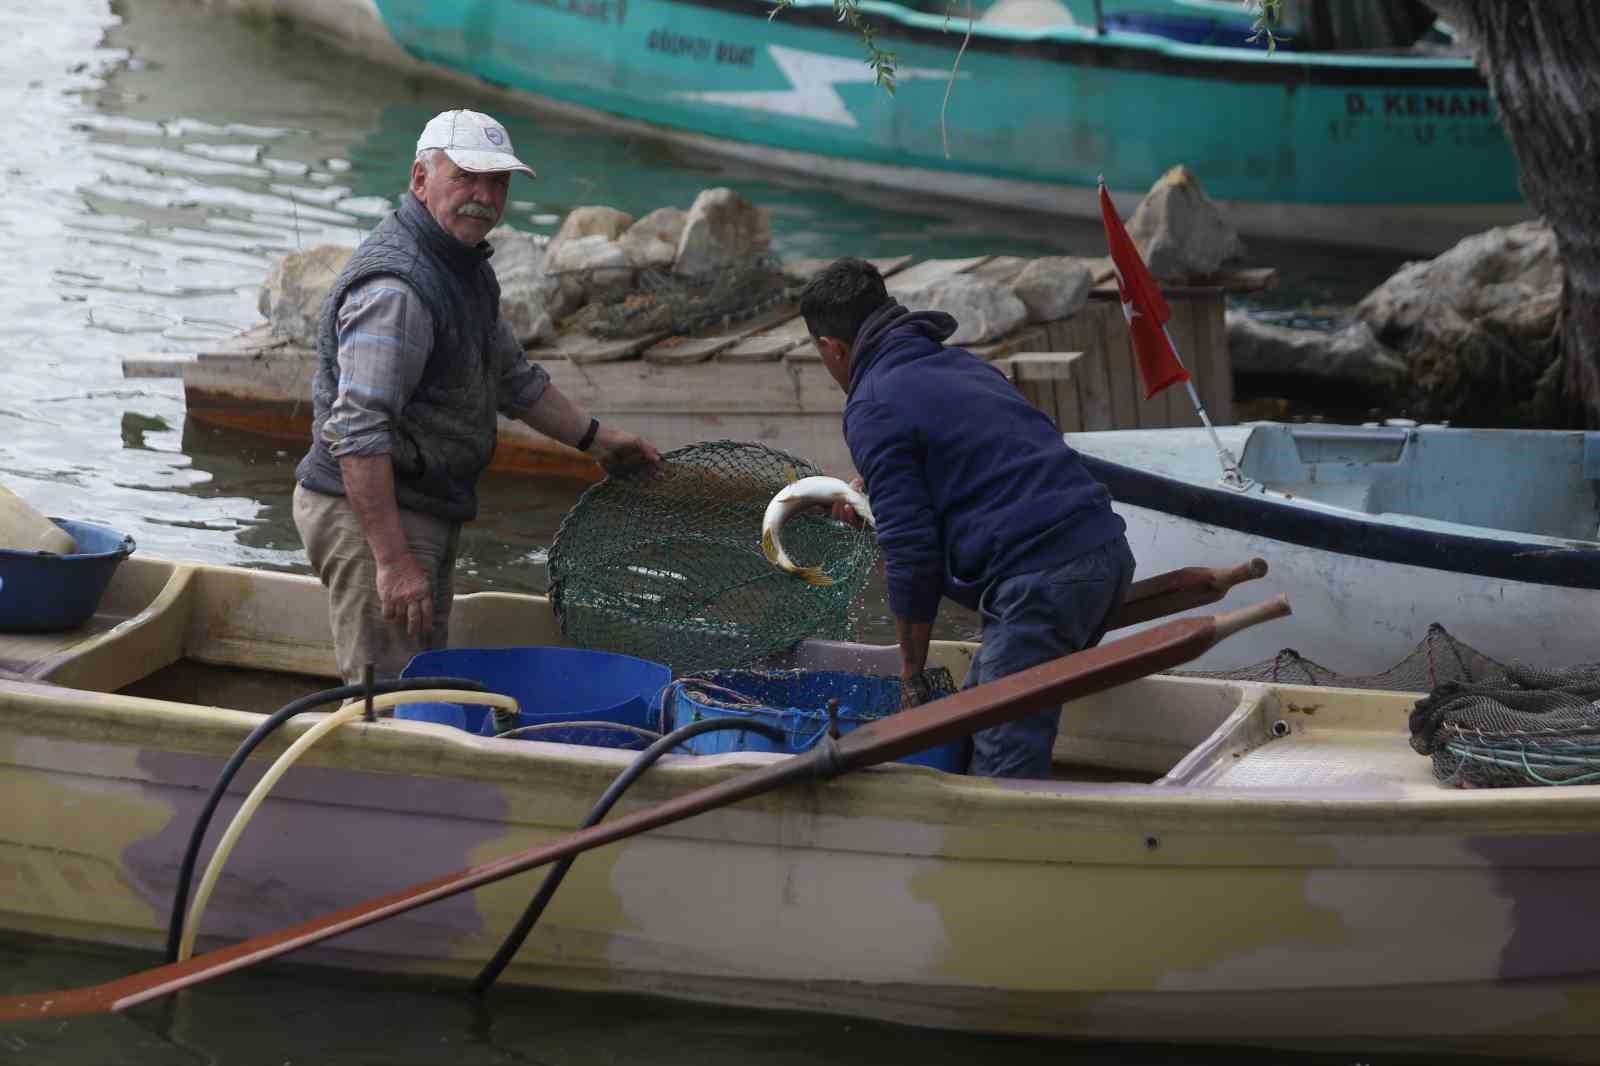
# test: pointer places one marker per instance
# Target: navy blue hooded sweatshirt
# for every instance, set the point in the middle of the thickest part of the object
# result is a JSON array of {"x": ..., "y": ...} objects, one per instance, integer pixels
[{"x": 969, "y": 482}]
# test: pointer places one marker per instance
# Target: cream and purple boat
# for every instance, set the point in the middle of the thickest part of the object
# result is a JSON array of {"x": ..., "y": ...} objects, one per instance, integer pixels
[{"x": 1218, "y": 862}]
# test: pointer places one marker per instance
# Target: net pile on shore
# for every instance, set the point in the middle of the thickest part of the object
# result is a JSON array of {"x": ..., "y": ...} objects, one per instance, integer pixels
[
  {"x": 663, "y": 302},
  {"x": 671, "y": 570}
]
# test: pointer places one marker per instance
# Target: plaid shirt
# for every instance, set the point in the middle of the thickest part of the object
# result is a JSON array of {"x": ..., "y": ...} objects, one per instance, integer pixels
[{"x": 385, "y": 336}]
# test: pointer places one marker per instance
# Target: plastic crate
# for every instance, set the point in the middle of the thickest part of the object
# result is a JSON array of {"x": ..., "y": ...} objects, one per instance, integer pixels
[{"x": 796, "y": 701}]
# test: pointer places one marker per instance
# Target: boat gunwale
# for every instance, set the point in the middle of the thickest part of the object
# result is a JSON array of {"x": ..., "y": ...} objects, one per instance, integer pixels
[
  {"x": 1081, "y": 46},
  {"x": 1325, "y": 528},
  {"x": 419, "y": 749}
]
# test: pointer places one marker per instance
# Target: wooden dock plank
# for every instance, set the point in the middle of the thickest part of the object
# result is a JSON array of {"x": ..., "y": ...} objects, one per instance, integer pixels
[
  {"x": 156, "y": 365},
  {"x": 1094, "y": 392},
  {"x": 1026, "y": 339},
  {"x": 583, "y": 348}
]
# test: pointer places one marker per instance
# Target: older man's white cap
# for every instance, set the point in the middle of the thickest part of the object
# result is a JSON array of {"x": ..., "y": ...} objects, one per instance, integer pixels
[{"x": 473, "y": 141}]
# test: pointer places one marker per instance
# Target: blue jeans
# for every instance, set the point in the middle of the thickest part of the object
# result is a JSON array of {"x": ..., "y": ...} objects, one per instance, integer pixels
[{"x": 1030, "y": 619}]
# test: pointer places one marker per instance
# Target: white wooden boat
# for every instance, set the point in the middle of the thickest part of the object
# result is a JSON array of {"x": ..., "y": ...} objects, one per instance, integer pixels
[
  {"x": 1375, "y": 532},
  {"x": 1213, "y": 862}
]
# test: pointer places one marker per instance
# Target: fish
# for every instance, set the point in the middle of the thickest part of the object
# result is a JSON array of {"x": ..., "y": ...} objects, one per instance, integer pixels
[{"x": 798, "y": 496}]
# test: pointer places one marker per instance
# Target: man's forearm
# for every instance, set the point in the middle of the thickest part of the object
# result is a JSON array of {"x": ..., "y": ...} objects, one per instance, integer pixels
[
  {"x": 369, "y": 486},
  {"x": 914, "y": 640},
  {"x": 557, "y": 416}
]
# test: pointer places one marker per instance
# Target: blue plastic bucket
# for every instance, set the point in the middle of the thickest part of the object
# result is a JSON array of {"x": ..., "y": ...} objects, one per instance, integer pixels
[
  {"x": 796, "y": 701},
  {"x": 551, "y": 686},
  {"x": 44, "y": 592}
]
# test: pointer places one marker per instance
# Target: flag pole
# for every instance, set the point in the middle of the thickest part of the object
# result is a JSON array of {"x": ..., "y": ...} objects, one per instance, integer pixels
[{"x": 1232, "y": 476}]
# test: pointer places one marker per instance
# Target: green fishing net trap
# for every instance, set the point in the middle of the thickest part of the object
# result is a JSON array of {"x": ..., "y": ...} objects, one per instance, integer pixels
[
  {"x": 671, "y": 569},
  {"x": 1534, "y": 727}
]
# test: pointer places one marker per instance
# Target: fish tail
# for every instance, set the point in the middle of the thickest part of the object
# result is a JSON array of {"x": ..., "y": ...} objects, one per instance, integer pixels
[{"x": 813, "y": 575}]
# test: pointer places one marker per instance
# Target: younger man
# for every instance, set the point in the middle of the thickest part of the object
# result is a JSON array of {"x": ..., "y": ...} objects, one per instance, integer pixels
[{"x": 976, "y": 495}]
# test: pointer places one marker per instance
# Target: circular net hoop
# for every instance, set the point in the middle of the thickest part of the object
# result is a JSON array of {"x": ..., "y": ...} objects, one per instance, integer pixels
[{"x": 671, "y": 570}]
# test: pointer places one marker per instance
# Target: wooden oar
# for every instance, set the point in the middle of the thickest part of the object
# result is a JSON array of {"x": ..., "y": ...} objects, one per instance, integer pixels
[
  {"x": 1181, "y": 590},
  {"x": 888, "y": 738}
]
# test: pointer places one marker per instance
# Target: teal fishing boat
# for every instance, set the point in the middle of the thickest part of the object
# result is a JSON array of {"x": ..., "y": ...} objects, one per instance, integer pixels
[{"x": 1384, "y": 148}]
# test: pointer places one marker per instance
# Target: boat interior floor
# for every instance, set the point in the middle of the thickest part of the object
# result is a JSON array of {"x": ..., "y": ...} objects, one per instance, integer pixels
[{"x": 212, "y": 637}]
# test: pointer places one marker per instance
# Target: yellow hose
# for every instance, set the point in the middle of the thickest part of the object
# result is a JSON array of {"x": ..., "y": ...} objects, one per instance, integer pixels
[{"x": 344, "y": 714}]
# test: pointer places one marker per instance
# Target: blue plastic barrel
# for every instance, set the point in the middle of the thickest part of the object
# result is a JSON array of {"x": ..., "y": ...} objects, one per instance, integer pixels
[
  {"x": 551, "y": 686},
  {"x": 44, "y": 592},
  {"x": 796, "y": 701}
]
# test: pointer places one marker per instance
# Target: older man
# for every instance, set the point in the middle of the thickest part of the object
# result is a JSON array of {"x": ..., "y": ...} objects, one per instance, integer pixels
[{"x": 415, "y": 362}]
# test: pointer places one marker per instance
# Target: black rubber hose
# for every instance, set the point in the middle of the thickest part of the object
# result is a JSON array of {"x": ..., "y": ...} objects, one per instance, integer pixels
[
  {"x": 552, "y": 881},
  {"x": 180, "y": 895}
]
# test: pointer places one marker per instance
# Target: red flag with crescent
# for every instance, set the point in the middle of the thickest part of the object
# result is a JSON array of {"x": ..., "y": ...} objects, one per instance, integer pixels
[{"x": 1142, "y": 305}]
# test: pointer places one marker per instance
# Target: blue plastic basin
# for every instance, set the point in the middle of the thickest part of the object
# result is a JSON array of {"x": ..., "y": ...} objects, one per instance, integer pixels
[
  {"x": 43, "y": 592},
  {"x": 795, "y": 701},
  {"x": 551, "y": 686}
]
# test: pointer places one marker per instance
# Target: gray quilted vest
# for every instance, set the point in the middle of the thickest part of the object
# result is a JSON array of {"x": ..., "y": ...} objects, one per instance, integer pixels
[{"x": 445, "y": 434}]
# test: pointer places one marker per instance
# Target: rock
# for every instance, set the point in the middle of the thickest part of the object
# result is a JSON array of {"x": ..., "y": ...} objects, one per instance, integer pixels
[
  {"x": 1179, "y": 231},
  {"x": 722, "y": 229},
  {"x": 597, "y": 264},
  {"x": 527, "y": 293},
  {"x": 984, "y": 310},
  {"x": 1478, "y": 326},
  {"x": 653, "y": 240},
  {"x": 1351, "y": 354},
  {"x": 593, "y": 221},
  {"x": 291, "y": 297},
  {"x": 1511, "y": 277},
  {"x": 1053, "y": 288}
]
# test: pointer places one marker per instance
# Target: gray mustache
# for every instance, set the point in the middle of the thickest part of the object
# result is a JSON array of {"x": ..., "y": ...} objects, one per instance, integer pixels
[{"x": 476, "y": 210}]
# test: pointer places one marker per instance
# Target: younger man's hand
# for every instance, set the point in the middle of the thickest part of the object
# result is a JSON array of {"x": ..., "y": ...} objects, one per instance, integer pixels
[{"x": 843, "y": 512}]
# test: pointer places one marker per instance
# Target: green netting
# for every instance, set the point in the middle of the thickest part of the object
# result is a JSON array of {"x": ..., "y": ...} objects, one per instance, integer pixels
[
  {"x": 1438, "y": 658},
  {"x": 1535, "y": 727},
  {"x": 664, "y": 302},
  {"x": 1484, "y": 723},
  {"x": 671, "y": 569}
]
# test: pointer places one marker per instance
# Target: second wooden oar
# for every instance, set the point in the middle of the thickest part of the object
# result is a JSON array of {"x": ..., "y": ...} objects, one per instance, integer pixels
[
  {"x": 1181, "y": 590},
  {"x": 905, "y": 733}
]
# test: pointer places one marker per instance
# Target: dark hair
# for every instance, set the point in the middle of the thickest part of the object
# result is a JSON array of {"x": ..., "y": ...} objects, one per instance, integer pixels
[{"x": 840, "y": 297}]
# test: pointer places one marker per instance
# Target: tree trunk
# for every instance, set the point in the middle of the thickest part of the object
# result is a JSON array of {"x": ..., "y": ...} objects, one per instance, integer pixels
[{"x": 1542, "y": 61}]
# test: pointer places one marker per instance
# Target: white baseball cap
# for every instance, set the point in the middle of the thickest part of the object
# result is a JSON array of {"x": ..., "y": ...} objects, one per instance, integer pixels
[{"x": 473, "y": 141}]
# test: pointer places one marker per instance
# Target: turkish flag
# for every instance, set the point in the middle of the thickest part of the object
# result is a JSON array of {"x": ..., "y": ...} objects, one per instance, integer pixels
[{"x": 1142, "y": 305}]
